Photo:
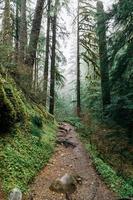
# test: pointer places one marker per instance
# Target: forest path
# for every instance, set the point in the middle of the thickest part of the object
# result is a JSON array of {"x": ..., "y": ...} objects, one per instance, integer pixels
[
  {"x": 1, "y": 193},
  {"x": 70, "y": 160}
]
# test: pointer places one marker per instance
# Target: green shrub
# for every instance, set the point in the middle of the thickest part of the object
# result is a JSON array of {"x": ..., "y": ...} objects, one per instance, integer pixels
[
  {"x": 35, "y": 131},
  {"x": 37, "y": 121}
]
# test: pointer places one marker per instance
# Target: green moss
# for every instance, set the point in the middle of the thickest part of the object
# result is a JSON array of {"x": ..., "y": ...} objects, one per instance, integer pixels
[
  {"x": 12, "y": 109},
  {"x": 30, "y": 141},
  {"x": 7, "y": 112},
  {"x": 16, "y": 101}
]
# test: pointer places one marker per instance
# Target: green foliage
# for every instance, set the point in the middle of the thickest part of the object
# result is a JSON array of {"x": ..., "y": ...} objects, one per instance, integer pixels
[
  {"x": 75, "y": 121},
  {"x": 64, "y": 108},
  {"x": 5, "y": 57},
  {"x": 35, "y": 131},
  {"x": 30, "y": 139},
  {"x": 121, "y": 111},
  {"x": 60, "y": 79},
  {"x": 22, "y": 156},
  {"x": 123, "y": 187},
  {"x": 88, "y": 38},
  {"x": 91, "y": 97},
  {"x": 121, "y": 108},
  {"x": 37, "y": 121},
  {"x": 120, "y": 56},
  {"x": 120, "y": 45}
]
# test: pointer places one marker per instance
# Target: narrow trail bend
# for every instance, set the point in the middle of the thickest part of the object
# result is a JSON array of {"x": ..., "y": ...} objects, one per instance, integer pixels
[{"x": 71, "y": 160}]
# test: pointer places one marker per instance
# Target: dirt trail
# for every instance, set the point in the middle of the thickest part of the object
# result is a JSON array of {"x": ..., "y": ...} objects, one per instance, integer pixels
[
  {"x": 1, "y": 194},
  {"x": 69, "y": 160}
]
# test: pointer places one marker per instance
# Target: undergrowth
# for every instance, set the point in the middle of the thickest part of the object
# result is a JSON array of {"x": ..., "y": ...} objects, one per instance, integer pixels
[
  {"x": 123, "y": 187},
  {"x": 27, "y": 146},
  {"x": 23, "y": 154}
]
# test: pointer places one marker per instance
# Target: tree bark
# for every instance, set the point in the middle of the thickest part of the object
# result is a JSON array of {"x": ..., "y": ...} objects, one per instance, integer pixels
[
  {"x": 23, "y": 32},
  {"x": 46, "y": 67},
  {"x": 78, "y": 66},
  {"x": 53, "y": 68},
  {"x": 34, "y": 37},
  {"x": 7, "y": 29},
  {"x": 101, "y": 27},
  {"x": 17, "y": 31}
]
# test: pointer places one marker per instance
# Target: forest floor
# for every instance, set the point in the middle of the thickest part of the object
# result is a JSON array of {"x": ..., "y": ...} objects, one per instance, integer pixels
[
  {"x": 71, "y": 160},
  {"x": 1, "y": 194}
]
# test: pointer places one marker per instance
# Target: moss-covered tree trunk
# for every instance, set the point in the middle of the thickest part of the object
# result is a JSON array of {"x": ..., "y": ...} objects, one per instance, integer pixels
[{"x": 101, "y": 27}]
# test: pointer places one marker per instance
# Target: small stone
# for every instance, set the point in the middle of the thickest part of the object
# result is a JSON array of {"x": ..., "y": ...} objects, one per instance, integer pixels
[{"x": 15, "y": 194}]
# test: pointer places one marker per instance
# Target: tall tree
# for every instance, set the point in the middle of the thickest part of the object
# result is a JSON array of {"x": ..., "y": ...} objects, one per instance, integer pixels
[
  {"x": 7, "y": 30},
  {"x": 78, "y": 65},
  {"x": 7, "y": 36},
  {"x": 34, "y": 37},
  {"x": 101, "y": 27},
  {"x": 17, "y": 30},
  {"x": 53, "y": 67},
  {"x": 23, "y": 32},
  {"x": 121, "y": 53},
  {"x": 45, "y": 83}
]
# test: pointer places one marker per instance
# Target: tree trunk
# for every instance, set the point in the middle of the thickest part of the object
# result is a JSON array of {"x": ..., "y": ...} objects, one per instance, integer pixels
[
  {"x": 34, "y": 37},
  {"x": 23, "y": 32},
  {"x": 35, "y": 75},
  {"x": 53, "y": 69},
  {"x": 78, "y": 66},
  {"x": 103, "y": 56},
  {"x": 17, "y": 31},
  {"x": 7, "y": 29},
  {"x": 45, "y": 84}
]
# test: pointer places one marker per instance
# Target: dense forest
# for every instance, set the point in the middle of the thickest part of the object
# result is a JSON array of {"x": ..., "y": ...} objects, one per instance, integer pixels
[{"x": 48, "y": 89}]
